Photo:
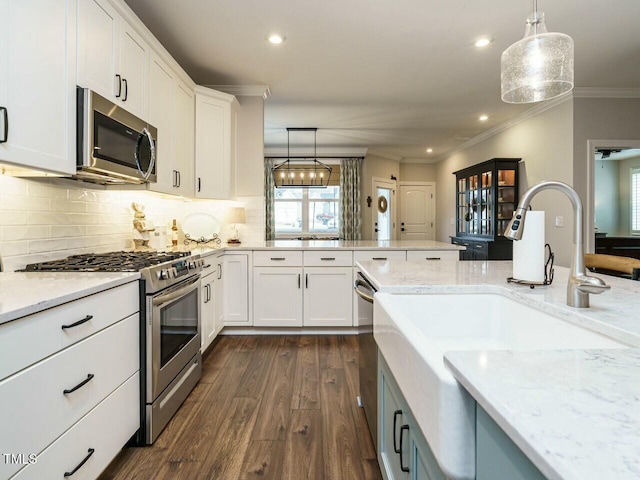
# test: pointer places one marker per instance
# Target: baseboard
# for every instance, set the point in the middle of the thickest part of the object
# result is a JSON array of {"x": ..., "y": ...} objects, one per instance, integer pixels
[{"x": 290, "y": 331}]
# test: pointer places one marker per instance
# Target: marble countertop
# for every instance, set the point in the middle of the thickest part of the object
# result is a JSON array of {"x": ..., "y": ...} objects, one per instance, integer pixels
[
  {"x": 575, "y": 414},
  {"x": 613, "y": 313},
  {"x": 24, "y": 293},
  {"x": 344, "y": 245}
]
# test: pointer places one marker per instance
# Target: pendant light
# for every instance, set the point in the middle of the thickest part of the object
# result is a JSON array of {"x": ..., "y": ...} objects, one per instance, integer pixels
[
  {"x": 538, "y": 67},
  {"x": 301, "y": 172}
]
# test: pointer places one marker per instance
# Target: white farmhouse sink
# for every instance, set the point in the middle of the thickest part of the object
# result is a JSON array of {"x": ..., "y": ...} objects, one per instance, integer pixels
[{"x": 413, "y": 332}]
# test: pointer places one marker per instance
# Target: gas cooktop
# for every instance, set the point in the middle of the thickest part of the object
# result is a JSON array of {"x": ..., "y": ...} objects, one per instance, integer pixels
[{"x": 106, "y": 262}]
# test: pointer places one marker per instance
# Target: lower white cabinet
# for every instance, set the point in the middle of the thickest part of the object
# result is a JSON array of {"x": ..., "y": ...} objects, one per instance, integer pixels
[
  {"x": 233, "y": 272},
  {"x": 432, "y": 255},
  {"x": 208, "y": 318},
  {"x": 302, "y": 297},
  {"x": 277, "y": 296},
  {"x": 328, "y": 297},
  {"x": 88, "y": 447}
]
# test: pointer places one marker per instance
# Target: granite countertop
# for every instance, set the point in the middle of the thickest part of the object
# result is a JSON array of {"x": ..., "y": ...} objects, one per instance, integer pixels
[
  {"x": 25, "y": 293},
  {"x": 574, "y": 413}
]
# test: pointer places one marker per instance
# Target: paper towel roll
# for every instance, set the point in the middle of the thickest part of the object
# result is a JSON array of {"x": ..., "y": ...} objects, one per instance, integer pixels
[{"x": 528, "y": 253}]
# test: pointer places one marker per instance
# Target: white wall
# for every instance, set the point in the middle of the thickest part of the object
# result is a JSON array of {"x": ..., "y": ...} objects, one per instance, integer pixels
[
  {"x": 49, "y": 219},
  {"x": 545, "y": 144},
  {"x": 607, "y": 205},
  {"x": 417, "y": 172}
]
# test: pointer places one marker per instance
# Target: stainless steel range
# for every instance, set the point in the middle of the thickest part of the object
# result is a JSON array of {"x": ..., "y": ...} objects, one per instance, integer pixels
[{"x": 170, "y": 331}]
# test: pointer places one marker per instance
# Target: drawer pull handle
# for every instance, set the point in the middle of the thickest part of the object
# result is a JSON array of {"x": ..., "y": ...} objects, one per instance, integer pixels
[
  {"x": 79, "y": 466},
  {"x": 208, "y": 265},
  {"x": 80, "y": 385},
  {"x": 402, "y": 429},
  {"x": 478, "y": 246},
  {"x": 327, "y": 258},
  {"x": 395, "y": 429},
  {"x": 432, "y": 258},
  {"x": 79, "y": 322},
  {"x": 277, "y": 258},
  {"x": 379, "y": 258}
]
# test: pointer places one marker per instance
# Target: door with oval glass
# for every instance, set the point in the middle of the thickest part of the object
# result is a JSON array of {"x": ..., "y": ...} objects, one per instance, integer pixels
[{"x": 384, "y": 193}]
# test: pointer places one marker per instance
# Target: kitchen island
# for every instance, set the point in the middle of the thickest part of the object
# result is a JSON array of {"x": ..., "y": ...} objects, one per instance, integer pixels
[{"x": 571, "y": 413}]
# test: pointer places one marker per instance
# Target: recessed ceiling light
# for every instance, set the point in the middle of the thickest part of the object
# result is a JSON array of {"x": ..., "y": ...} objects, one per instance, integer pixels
[
  {"x": 429, "y": 150},
  {"x": 483, "y": 118},
  {"x": 482, "y": 42},
  {"x": 276, "y": 38}
]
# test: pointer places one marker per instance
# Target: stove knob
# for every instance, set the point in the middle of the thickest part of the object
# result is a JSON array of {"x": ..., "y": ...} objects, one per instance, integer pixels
[
  {"x": 163, "y": 274},
  {"x": 174, "y": 272}
]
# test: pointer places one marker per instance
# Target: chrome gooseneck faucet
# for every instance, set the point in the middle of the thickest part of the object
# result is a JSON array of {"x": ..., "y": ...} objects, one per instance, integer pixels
[{"x": 580, "y": 284}]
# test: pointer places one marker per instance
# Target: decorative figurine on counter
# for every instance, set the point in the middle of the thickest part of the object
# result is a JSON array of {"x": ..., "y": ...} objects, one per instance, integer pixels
[{"x": 141, "y": 228}]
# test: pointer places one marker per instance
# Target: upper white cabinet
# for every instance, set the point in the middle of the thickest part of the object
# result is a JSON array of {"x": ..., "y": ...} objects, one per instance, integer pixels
[
  {"x": 37, "y": 84},
  {"x": 215, "y": 151},
  {"x": 113, "y": 60},
  {"x": 171, "y": 112}
]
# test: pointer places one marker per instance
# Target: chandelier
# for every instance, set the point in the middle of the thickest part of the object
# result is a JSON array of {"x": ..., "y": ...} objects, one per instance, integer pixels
[
  {"x": 538, "y": 67},
  {"x": 301, "y": 171}
]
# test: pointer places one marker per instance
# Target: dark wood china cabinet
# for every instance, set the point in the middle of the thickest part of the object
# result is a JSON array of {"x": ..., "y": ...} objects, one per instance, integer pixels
[{"x": 486, "y": 197}]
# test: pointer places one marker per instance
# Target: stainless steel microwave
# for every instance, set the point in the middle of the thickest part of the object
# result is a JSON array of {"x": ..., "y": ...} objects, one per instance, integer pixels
[{"x": 114, "y": 146}]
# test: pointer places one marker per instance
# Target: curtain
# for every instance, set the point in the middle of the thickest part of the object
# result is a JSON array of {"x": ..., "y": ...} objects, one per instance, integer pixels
[
  {"x": 350, "y": 199},
  {"x": 270, "y": 222}
]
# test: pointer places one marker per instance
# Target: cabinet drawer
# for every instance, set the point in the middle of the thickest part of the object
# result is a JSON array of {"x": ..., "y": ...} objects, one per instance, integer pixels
[
  {"x": 105, "y": 430},
  {"x": 35, "y": 408},
  {"x": 328, "y": 258},
  {"x": 424, "y": 255},
  {"x": 369, "y": 255},
  {"x": 277, "y": 258},
  {"x": 27, "y": 340},
  {"x": 480, "y": 247}
]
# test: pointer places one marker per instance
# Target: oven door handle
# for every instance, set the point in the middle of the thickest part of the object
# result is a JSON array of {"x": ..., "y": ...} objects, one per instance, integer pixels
[{"x": 168, "y": 297}]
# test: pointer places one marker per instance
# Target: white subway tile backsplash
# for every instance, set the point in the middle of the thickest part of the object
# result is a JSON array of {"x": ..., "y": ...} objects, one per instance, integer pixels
[
  {"x": 24, "y": 233},
  {"x": 44, "y": 219},
  {"x": 61, "y": 231},
  {"x": 24, "y": 203}
]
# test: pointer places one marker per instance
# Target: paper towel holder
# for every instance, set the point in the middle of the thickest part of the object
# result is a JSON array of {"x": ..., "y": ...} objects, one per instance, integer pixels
[{"x": 548, "y": 272}]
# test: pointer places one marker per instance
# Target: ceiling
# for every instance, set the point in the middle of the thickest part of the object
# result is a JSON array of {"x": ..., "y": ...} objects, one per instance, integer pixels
[
  {"x": 393, "y": 76},
  {"x": 623, "y": 154}
]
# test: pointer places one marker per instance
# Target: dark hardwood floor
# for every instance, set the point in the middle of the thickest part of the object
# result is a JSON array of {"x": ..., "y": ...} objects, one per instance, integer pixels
[{"x": 267, "y": 407}]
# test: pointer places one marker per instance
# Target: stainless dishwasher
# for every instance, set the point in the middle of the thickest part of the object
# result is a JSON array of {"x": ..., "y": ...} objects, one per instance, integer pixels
[{"x": 368, "y": 354}]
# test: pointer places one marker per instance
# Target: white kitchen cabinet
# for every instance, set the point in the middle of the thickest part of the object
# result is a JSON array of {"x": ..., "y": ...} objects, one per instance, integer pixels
[
  {"x": 37, "y": 84},
  {"x": 113, "y": 60},
  {"x": 218, "y": 294},
  {"x": 277, "y": 296},
  {"x": 208, "y": 310},
  {"x": 215, "y": 146},
  {"x": 171, "y": 112},
  {"x": 432, "y": 255},
  {"x": 234, "y": 276},
  {"x": 183, "y": 138},
  {"x": 328, "y": 294}
]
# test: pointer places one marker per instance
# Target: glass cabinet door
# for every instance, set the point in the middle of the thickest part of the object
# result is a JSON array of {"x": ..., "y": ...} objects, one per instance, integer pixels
[
  {"x": 506, "y": 198},
  {"x": 485, "y": 205},
  {"x": 462, "y": 202}
]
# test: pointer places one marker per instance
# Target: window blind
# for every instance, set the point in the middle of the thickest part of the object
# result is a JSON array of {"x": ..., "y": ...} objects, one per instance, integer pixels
[{"x": 635, "y": 200}]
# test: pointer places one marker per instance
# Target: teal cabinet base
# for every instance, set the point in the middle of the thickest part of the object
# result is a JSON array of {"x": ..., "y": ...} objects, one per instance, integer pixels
[
  {"x": 497, "y": 457},
  {"x": 403, "y": 452}
]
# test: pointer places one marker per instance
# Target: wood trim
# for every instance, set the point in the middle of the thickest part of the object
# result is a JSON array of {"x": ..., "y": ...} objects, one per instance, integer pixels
[{"x": 289, "y": 331}]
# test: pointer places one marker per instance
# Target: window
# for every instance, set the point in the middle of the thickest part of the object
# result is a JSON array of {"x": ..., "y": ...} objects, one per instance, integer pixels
[
  {"x": 635, "y": 201},
  {"x": 307, "y": 211}
]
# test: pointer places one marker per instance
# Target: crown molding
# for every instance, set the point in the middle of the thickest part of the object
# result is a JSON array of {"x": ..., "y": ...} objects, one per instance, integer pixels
[
  {"x": 337, "y": 152},
  {"x": 521, "y": 117},
  {"x": 244, "y": 90},
  {"x": 604, "y": 92},
  {"x": 424, "y": 161}
]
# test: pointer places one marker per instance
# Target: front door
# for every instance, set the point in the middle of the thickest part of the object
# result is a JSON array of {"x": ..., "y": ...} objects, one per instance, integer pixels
[
  {"x": 384, "y": 210},
  {"x": 416, "y": 212}
]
